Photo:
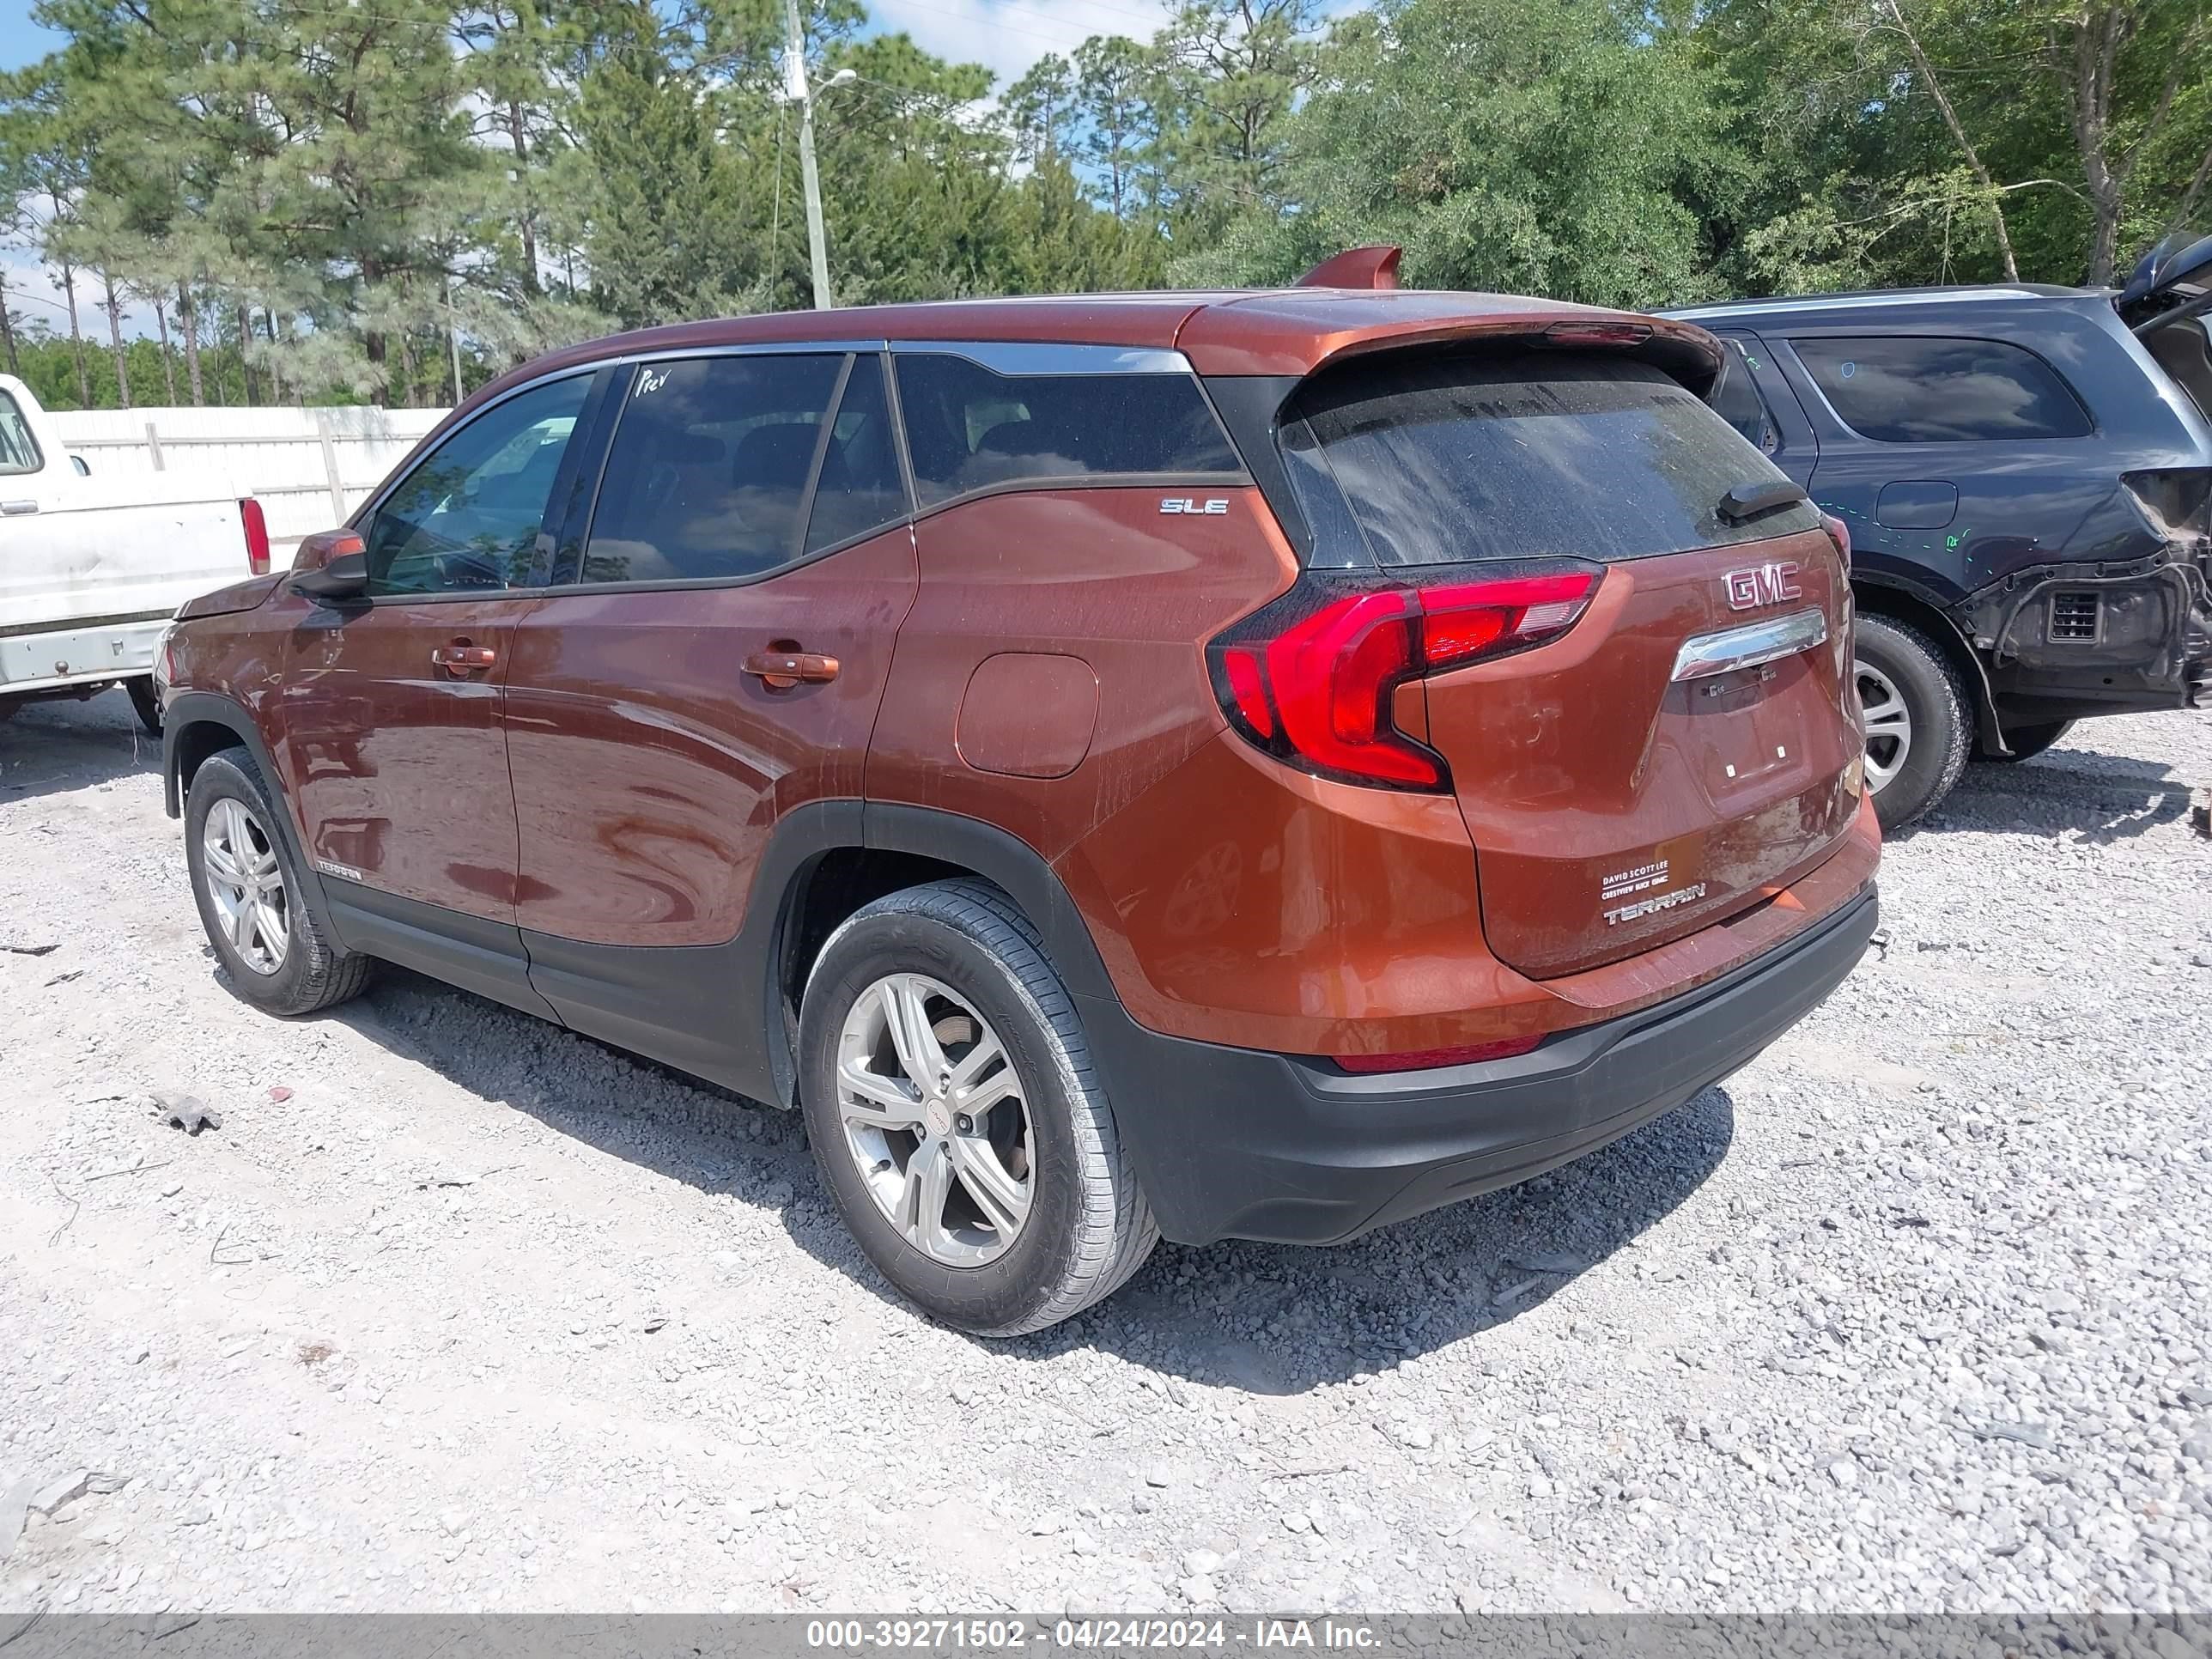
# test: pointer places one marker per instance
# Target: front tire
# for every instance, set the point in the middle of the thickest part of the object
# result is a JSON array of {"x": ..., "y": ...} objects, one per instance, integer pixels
[
  {"x": 956, "y": 1119},
  {"x": 1918, "y": 729},
  {"x": 280, "y": 954}
]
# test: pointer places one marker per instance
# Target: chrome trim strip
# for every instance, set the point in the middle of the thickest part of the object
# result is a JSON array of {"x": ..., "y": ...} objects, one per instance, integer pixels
[
  {"x": 1842, "y": 302},
  {"x": 1750, "y": 646},
  {"x": 1024, "y": 357},
  {"x": 742, "y": 349}
]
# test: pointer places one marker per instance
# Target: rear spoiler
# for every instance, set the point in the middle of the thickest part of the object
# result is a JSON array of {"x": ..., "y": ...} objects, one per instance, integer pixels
[
  {"x": 1350, "y": 304},
  {"x": 1375, "y": 266}
]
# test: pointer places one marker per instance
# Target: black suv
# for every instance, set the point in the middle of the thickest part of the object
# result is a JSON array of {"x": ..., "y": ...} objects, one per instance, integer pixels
[{"x": 2026, "y": 475}]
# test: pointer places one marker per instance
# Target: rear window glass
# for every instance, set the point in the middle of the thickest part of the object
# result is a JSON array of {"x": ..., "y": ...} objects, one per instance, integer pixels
[
  {"x": 1917, "y": 390},
  {"x": 970, "y": 428},
  {"x": 1440, "y": 460}
]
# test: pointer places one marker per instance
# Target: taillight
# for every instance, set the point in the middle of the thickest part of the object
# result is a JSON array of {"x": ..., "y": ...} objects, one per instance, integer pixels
[
  {"x": 1425, "y": 1060},
  {"x": 257, "y": 536},
  {"x": 1840, "y": 534},
  {"x": 1309, "y": 678}
]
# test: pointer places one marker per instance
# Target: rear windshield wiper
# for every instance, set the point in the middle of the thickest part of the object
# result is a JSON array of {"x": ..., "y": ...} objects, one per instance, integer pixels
[{"x": 1749, "y": 500}]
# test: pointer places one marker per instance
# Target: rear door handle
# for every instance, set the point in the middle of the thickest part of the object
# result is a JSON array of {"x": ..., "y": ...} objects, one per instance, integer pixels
[
  {"x": 785, "y": 669},
  {"x": 461, "y": 657},
  {"x": 17, "y": 509}
]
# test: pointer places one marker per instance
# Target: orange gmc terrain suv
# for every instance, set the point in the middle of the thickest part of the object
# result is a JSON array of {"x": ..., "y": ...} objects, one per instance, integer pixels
[{"x": 1241, "y": 764}]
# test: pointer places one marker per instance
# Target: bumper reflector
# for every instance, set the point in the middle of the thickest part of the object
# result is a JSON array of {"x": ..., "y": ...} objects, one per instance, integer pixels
[{"x": 1424, "y": 1060}]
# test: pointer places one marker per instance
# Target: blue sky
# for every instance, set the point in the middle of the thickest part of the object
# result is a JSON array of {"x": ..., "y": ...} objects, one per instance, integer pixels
[
  {"x": 22, "y": 41},
  {"x": 1007, "y": 34}
]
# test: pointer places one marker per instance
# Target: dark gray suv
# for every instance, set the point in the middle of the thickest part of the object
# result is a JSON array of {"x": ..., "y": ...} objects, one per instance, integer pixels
[{"x": 2026, "y": 475}]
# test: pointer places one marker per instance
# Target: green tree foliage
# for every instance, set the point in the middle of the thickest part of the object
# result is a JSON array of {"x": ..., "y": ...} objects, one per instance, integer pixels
[
  {"x": 1538, "y": 146},
  {"x": 337, "y": 201}
]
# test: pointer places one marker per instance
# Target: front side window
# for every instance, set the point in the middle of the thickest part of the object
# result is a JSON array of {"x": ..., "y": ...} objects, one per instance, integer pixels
[
  {"x": 1899, "y": 389},
  {"x": 971, "y": 429},
  {"x": 466, "y": 520},
  {"x": 1442, "y": 459},
  {"x": 18, "y": 450},
  {"x": 708, "y": 475}
]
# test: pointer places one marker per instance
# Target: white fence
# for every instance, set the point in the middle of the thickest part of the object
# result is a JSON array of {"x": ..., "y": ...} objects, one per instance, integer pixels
[{"x": 307, "y": 467}]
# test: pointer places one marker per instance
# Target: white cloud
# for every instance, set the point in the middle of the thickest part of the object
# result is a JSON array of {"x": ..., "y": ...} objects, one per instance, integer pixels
[{"x": 1007, "y": 36}]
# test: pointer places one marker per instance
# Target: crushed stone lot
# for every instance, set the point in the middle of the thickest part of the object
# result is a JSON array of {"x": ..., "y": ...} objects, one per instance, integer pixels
[{"x": 455, "y": 1310}]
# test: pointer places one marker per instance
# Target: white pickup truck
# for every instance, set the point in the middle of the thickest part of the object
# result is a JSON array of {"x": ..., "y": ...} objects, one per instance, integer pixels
[{"x": 93, "y": 569}]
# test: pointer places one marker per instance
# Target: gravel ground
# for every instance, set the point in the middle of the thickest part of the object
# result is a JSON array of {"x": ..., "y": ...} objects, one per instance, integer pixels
[{"x": 456, "y": 1311}]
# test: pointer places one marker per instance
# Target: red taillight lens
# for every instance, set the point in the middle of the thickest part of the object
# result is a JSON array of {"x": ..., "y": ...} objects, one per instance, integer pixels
[
  {"x": 1423, "y": 1059},
  {"x": 257, "y": 536},
  {"x": 1840, "y": 534},
  {"x": 1471, "y": 620},
  {"x": 1309, "y": 678}
]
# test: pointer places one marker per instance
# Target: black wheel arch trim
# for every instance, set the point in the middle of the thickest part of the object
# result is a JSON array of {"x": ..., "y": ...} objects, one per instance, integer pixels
[
  {"x": 1009, "y": 862},
  {"x": 185, "y": 709},
  {"x": 1987, "y": 727}
]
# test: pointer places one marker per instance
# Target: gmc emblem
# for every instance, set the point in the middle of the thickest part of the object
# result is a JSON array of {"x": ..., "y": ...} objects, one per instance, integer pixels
[{"x": 1763, "y": 584}]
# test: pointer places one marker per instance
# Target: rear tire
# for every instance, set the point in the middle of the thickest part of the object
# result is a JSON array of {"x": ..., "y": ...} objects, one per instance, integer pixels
[
  {"x": 1918, "y": 729},
  {"x": 276, "y": 947},
  {"x": 2029, "y": 741},
  {"x": 1038, "y": 1214}
]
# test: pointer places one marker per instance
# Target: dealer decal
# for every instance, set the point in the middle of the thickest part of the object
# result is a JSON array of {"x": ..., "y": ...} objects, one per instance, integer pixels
[{"x": 1644, "y": 879}]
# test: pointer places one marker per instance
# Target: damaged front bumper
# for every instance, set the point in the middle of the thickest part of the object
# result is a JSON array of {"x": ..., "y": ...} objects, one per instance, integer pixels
[{"x": 2061, "y": 641}]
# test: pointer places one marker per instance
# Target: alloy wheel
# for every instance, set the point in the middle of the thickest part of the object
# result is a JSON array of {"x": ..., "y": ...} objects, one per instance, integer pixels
[
  {"x": 245, "y": 883},
  {"x": 1887, "y": 724},
  {"x": 936, "y": 1119}
]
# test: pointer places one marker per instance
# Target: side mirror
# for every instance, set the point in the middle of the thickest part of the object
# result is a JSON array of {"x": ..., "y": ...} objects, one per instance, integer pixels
[
  {"x": 317, "y": 550},
  {"x": 83, "y": 467},
  {"x": 342, "y": 579}
]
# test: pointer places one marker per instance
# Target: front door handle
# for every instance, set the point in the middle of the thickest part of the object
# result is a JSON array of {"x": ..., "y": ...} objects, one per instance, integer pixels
[
  {"x": 17, "y": 509},
  {"x": 461, "y": 657},
  {"x": 785, "y": 669}
]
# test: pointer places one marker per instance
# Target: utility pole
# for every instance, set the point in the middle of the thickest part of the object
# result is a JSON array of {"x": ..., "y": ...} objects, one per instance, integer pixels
[
  {"x": 453, "y": 335},
  {"x": 794, "y": 69}
]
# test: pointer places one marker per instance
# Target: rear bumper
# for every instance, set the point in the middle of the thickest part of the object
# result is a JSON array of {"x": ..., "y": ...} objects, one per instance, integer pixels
[
  {"x": 97, "y": 649},
  {"x": 1236, "y": 1143},
  {"x": 2063, "y": 641}
]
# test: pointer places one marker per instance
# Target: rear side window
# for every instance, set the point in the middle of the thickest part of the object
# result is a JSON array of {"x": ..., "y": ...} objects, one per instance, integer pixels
[
  {"x": 1897, "y": 389},
  {"x": 860, "y": 489},
  {"x": 970, "y": 428},
  {"x": 1438, "y": 460},
  {"x": 708, "y": 474},
  {"x": 1736, "y": 400}
]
